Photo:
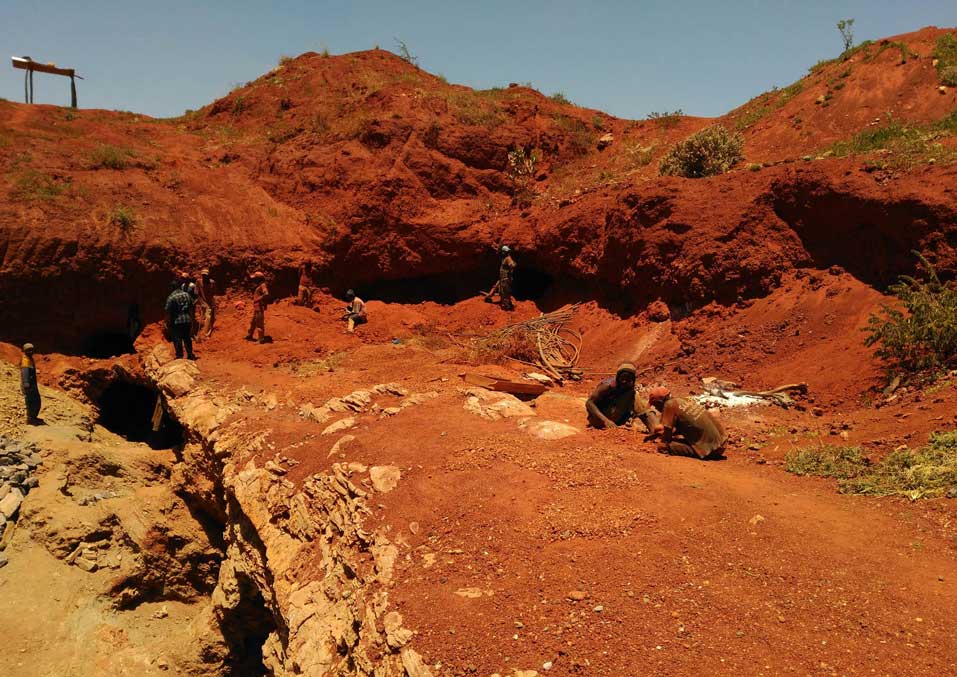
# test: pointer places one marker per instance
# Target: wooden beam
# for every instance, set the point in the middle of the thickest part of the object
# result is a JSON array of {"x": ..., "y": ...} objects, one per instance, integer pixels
[{"x": 29, "y": 65}]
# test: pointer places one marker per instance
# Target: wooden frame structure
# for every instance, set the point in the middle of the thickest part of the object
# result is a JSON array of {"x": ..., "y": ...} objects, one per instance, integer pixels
[{"x": 27, "y": 64}]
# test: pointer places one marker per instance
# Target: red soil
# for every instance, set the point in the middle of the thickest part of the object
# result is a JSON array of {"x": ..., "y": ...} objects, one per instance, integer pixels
[{"x": 394, "y": 182}]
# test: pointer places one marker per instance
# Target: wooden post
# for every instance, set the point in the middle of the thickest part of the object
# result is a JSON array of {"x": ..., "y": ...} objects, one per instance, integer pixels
[{"x": 27, "y": 64}]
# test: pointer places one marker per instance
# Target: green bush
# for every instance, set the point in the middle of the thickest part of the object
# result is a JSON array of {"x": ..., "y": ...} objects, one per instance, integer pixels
[
  {"x": 945, "y": 51},
  {"x": 111, "y": 157},
  {"x": 559, "y": 97},
  {"x": 668, "y": 119},
  {"x": 921, "y": 339},
  {"x": 123, "y": 217},
  {"x": 709, "y": 152}
]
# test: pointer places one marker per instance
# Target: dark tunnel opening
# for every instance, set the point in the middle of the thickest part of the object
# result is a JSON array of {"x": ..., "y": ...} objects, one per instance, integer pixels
[
  {"x": 450, "y": 288},
  {"x": 130, "y": 410},
  {"x": 106, "y": 344}
]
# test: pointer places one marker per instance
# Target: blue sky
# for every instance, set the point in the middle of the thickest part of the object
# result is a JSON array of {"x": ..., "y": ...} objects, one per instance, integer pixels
[{"x": 627, "y": 58}]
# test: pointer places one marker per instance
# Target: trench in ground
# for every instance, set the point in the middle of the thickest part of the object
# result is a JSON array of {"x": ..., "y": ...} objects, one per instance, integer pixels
[{"x": 128, "y": 408}]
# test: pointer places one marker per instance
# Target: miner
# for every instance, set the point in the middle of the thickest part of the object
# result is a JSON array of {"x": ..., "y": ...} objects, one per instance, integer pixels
[
  {"x": 355, "y": 311},
  {"x": 179, "y": 320},
  {"x": 258, "y": 320},
  {"x": 614, "y": 402},
  {"x": 206, "y": 293},
  {"x": 304, "y": 295},
  {"x": 506, "y": 274},
  {"x": 686, "y": 427},
  {"x": 28, "y": 384}
]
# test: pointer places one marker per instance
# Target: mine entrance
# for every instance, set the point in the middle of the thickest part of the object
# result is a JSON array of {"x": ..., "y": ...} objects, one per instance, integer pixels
[
  {"x": 128, "y": 409},
  {"x": 531, "y": 284},
  {"x": 106, "y": 344}
]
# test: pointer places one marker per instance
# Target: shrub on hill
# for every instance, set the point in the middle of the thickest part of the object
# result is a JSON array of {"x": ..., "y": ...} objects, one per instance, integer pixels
[
  {"x": 709, "y": 152},
  {"x": 921, "y": 339},
  {"x": 945, "y": 51}
]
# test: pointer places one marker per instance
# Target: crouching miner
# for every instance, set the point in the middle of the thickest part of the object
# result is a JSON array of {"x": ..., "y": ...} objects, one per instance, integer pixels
[
  {"x": 686, "y": 427},
  {"x": 614, "y": 402}
]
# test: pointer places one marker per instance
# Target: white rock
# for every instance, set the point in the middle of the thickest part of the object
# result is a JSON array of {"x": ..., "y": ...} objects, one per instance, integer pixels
[
  {"x": 549, "y": 430},
  {"x": 312, "y": 413},
  {"x": 395, "y": 635},
  {"x": 11, "y": 503},
  {"x": 390, "y": 389},
  {"x": 413, "y": 664},
  {"x": 384, "y": 477},
  {"x": 341, "y": 425},
  {"x": 343, "y": 442}
]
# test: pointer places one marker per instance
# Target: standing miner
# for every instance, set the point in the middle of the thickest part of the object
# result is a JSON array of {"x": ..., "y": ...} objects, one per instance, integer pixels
[
  {"x": 206, "y": 290},
  {"x": 258, "y": 320},
  {"x": 179, "y": 320},
  {"x": 28, "y": 384},
  {"x": 304, "y": 293},
  {"x": 686, "y": 427},
  {"x": 614, "y": 402},
  {"x": 506, "y": 274}
]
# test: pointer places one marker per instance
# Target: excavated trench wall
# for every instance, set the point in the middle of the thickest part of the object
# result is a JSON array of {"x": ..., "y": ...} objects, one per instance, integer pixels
[{"x": 302, "y": 588}]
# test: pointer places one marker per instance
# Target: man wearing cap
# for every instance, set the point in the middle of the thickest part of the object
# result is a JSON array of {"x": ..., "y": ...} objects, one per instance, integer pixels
[
  {"x": 355, "y": 311},
  {"x": 614, "y": 402},
  {"x": 506, "y": 273},
  {"x": 179, "y": 320},
  {"x": 686, "y": 427},
  {"x": 206, "y": 290},
  {"x": 28, "y": 384},
  {"x": 258, "y": 321}
]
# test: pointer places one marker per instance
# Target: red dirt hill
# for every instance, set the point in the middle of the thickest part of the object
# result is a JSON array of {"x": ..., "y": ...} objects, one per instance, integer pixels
[{"x": 397, "y": 182}]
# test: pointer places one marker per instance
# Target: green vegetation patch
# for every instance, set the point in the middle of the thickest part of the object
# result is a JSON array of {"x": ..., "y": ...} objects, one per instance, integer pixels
[
  {"x": 581, "y": 138},
  {"x": 827, "y": 461},
  {"x": 918, "y": 336},
  {"x": 907, "y": 142},
  {"x": 111, "y": 157},
  {"x": 668, "y": 119},
  {"x": 123, "y": 217},
  {"x": 928, "y": 472},
  {"x": 711, "y": 151},
  {"x": 945, "y": 51},
  {"x": 559, "y": 97},
  {"x": 33, "y": 185},
  {"x": 750, "y": 117}
]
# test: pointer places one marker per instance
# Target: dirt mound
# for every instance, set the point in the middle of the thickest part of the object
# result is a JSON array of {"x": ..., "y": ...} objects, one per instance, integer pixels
[
  {"x": 399, "y": 184},
  {"x": 873, "y": 84}
]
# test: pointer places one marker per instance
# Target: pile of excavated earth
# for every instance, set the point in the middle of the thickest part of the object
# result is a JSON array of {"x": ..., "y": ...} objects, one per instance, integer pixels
[{"x": 334, "y": 503}]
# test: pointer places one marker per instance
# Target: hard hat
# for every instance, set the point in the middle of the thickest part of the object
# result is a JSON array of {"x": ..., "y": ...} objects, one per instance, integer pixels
[
  {"x": 258, "y": 275},
  {"x": 28, "y": 347},
  {"x": 506, "y": 249},
  {"x": 204, "y": 271},
  {"x": 350, "y": 293}
]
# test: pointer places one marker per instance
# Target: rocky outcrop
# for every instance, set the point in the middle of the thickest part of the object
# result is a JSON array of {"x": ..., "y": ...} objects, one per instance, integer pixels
[{"x": 301, "y": 575}]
